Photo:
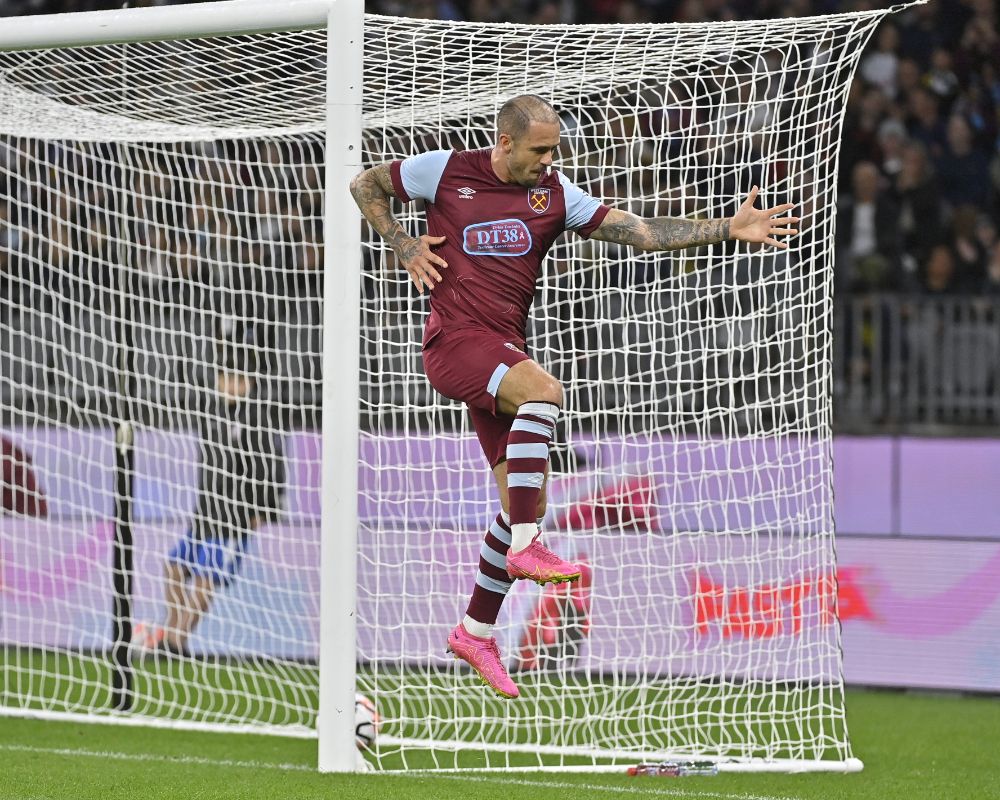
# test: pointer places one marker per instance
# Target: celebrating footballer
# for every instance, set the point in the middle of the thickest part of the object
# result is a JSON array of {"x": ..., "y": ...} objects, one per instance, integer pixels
[{"x": 492, "y": 215}]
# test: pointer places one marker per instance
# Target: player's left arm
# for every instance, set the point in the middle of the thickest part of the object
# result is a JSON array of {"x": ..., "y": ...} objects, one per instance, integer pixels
[{"x": 749, "y": 224}]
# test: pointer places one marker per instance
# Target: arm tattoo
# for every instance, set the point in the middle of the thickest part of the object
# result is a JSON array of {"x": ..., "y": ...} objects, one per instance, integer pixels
[
  {"x": 372, "y": 191},
  {"x": 660, "y": 233}
]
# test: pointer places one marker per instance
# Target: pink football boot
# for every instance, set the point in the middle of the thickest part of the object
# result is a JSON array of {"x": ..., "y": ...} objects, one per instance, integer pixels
[
  {"x": 539, "y": 564},
  {"x": 483, "y": 656}
]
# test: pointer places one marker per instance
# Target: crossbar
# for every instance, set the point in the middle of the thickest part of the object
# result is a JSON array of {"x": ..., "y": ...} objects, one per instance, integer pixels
[{"x": 226, "y": 18}]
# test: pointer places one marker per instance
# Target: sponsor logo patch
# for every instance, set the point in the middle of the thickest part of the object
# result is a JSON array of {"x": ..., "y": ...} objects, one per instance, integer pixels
[
  {"x": 538, "y": 199},
  {"x": 502, "y": 237}
]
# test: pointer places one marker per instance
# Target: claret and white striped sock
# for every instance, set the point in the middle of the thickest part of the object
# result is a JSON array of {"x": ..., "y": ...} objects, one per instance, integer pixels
[
  {"x": 527, "y": 455},
  {"x": 492, "y": 580}
]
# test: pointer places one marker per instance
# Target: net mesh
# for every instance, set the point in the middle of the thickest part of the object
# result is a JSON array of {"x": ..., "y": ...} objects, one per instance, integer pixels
[{"x": 161, "y": 207}]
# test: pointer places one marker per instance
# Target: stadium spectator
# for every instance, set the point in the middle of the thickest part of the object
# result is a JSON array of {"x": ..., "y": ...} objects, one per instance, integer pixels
[
  {"x": 866, "y": 109},
  {"x": 980, "y": 42},
  {"x": 963, "y": 168},
  {"x": 941, "y": 78},
  {"x": 908, "y": 77},
  {"x": 868, "y": 252},
  {"x": 968, "y": 252},
  {"x": 919, "y": 204},
  {"x": 891, "y": 142},
  {"x": 939, "y": 272},
  {"x": 919, "y": 31},
  {"x": 924, "y": 122},
  {"x": 987, "y": 232},
  {"x": 880, "y": 67}
]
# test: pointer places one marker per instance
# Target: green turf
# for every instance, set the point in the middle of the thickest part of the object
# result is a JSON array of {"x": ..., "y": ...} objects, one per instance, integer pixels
[
  {"x": 762, "y": 719},
  {"x": 915, "y": 746},
  {"x": 203, "y": 690}
]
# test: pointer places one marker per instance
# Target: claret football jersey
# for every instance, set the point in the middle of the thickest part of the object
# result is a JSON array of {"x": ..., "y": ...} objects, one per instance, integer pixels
[{"x": 496, "y": 235}]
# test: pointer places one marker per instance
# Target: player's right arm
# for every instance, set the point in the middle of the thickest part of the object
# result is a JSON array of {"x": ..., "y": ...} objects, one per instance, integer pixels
[{"x": 373, "y": 192}]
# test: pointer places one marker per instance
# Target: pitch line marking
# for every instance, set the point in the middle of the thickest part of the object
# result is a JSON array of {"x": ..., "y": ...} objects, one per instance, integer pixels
[
  {"x": 186, "y": 760},
  {"x": 639, "y": 790},
  {"x": 547, "y": 784}
]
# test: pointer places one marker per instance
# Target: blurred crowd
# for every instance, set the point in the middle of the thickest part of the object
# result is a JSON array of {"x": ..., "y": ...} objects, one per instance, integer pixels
[
  {"x": 920, "y": 157},
  {"x": 919, "y": 193}
]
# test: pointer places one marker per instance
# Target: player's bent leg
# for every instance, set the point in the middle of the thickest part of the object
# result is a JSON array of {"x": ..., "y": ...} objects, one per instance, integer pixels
[
  {"x": 149, "y": 638},
  {"x": 197, "y": 600},
  {"x": 541, "y": 506},
  {"x": 495, "y": 378},
  {"x": 492, "y": 581},
  {"x": 534, "y": 397},
  {"x": 202, "y": 594},
  {"x": 483, "y": 655},
  {"x": 525, "y": 382},
  {"x": 215, "y": 563}
]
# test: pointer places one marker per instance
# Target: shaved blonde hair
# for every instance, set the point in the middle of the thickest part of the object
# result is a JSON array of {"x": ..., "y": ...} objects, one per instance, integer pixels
[{"x": 517, "y": 114}]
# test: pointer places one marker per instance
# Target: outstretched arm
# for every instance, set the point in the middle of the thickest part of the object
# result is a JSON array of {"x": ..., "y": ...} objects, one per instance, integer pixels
[
  {"x": 373, "y": 191},
  {"x": 671, "y": 233}
]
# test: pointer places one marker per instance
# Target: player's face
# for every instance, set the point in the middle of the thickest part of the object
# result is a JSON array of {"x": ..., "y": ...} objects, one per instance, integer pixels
[
  {"x": 233, "y": 386},
  {"x": 532, "y": 153}
]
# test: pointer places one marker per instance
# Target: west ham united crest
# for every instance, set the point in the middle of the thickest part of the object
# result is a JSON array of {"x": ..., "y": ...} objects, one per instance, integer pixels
[{"x": 538, "y": 199}]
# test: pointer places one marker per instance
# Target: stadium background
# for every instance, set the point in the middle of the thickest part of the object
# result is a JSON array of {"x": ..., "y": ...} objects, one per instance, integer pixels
[{"x": 917, "y": 340}]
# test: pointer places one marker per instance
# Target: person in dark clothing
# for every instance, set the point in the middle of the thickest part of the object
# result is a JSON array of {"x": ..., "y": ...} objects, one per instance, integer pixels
[
  {"x": 964, "y": 169},
  {"x": 868, "y": 235},
  {"x": 918, "y": 199},
  {"x": 241, "y": 488}
]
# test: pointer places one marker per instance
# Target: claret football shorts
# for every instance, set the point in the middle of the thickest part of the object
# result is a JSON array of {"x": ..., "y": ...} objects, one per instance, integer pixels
[{"x": 468, "y": 365}]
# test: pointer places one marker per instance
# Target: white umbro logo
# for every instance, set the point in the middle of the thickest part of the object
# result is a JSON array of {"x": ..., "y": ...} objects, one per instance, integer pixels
[{"x": 466, "y": 193}]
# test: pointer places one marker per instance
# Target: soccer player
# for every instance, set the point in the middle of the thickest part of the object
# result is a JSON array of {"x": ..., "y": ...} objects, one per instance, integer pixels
[
  {"x": 492, "y": 215},
  {"x": 241, "y": 487}
]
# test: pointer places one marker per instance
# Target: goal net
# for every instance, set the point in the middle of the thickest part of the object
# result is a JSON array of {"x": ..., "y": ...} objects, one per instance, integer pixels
[{"x": 161, "y": 239}]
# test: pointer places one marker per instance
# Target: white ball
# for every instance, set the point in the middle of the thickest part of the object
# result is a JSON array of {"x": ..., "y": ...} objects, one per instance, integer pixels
[{"x": 366, "y": 722}]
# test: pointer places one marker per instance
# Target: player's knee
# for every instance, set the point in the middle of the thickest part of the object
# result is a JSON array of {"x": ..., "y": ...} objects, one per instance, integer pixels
[{"x": 550, "y": 391}]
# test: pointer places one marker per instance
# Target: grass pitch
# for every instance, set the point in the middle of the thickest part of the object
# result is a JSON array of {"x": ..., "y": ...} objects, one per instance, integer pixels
[{"x": 915, "y": 746}]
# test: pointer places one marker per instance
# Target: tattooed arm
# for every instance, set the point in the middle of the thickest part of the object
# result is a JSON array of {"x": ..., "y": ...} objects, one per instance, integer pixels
[
  {"x": 373, "y": 192},
  {"x": 659, "y": 233},
  {"x": 670, "y": 233}
]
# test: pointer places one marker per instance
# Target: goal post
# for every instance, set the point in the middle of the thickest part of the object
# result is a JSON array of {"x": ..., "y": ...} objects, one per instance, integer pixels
[
  {"x": 196, "y": 160},
  {"x": 341, "y": 394}
]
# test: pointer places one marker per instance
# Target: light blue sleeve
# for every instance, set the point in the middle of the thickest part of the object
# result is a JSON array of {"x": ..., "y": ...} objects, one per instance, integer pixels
[
  {"x": 580, "y": 206},
  {"x": 421, "y": 174}
]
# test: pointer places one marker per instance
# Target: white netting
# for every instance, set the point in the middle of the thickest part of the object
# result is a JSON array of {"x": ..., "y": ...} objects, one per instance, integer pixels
[
  {"x": 163, "y": 214},
  {"x": 150, "y": 193},
  {"x": 697, "y": 404}
]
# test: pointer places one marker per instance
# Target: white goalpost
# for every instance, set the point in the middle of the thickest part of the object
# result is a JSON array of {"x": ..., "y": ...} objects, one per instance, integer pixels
[{"x": 174, "y": 208}]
